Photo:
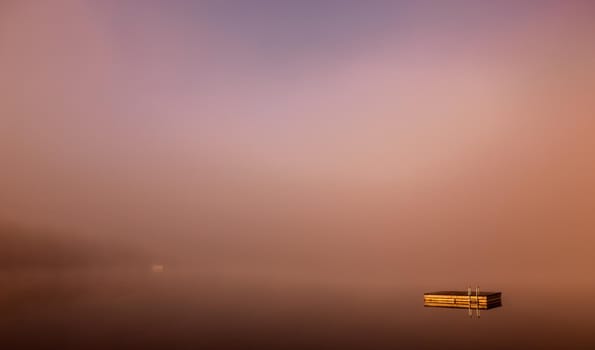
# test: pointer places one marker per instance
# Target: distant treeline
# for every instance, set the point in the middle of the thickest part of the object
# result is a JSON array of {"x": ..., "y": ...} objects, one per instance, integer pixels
[{"x": 33, "y": 248}]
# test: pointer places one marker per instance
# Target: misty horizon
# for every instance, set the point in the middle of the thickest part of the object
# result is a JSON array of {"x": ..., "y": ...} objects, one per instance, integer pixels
[{"x": 283, "y": 161}]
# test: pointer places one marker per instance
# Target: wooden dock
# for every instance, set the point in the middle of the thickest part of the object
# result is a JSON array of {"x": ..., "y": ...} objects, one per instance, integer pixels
[{"x": 463, "y": 299}]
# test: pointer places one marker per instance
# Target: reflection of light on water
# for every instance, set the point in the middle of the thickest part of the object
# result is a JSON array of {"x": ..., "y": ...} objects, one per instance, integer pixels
[{"x": 157, "y": 268}]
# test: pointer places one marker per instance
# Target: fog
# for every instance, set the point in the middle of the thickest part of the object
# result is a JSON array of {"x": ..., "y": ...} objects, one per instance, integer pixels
[
  {"x": 387, "y": 146},
  {"x": 294, "y": 174}
]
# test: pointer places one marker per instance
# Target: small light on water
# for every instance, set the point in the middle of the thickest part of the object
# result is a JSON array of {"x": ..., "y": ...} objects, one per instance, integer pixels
[{"x": 157, "y": 268}]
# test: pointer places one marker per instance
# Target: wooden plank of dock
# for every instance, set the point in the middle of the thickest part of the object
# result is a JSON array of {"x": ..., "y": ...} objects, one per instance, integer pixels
[{"x": 463, "y": 299}]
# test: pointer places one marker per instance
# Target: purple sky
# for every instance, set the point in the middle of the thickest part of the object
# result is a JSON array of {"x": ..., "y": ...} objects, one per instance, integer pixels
[{"x": 341, "y": 132}]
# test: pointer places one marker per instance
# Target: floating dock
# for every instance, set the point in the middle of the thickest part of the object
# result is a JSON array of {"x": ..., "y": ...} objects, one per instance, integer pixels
[{"x": 463, "y": 299}]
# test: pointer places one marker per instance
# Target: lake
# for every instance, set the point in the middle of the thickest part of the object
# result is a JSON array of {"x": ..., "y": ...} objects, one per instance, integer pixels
[{"x": 139, "y": 309}]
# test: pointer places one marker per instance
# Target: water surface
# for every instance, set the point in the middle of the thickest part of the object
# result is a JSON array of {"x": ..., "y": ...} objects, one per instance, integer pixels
[{"x": 136, "y": 308}]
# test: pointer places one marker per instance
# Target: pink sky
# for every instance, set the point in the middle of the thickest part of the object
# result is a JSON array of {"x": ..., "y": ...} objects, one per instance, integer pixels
[{"x": 338, "y": 135}]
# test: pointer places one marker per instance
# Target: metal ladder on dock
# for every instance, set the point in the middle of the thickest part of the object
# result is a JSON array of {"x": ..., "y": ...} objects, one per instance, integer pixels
[{"x": 476, "y": 302}]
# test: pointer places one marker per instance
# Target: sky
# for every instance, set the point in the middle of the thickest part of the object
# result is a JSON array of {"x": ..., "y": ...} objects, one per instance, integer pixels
[{"x": 355, "y": 137}]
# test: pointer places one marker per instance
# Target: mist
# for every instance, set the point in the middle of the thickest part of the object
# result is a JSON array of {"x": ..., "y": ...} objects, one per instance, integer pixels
[{"x": 356, "y": 149}]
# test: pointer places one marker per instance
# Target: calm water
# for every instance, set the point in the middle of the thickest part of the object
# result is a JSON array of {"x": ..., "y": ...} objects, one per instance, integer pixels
[{"x": 78, "y": 309}]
